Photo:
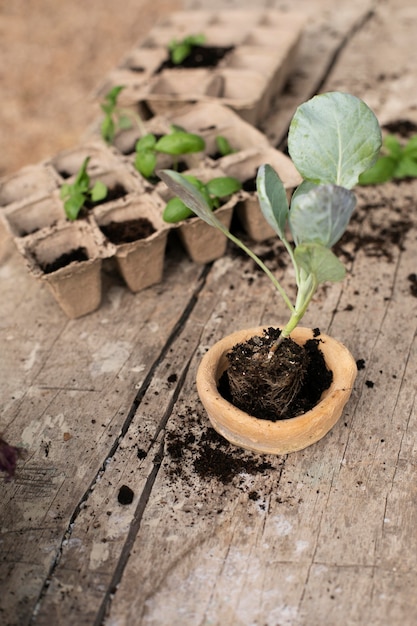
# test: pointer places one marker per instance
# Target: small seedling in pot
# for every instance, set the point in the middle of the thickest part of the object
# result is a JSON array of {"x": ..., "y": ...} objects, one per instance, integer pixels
[
  {"x": 333, "y": 138},
  {"x": 115, "y": 117},
  {"x": 75, "y": 195},
  {"x": 176, "y": 143},
  {"x": 394, "y": 163},
  {"x": 214, "y": 192},
  {"x": 180, "y": 50}
]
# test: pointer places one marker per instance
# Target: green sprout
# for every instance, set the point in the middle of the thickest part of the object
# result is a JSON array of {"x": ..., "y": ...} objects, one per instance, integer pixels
[
  {"x": 75, "y": 195},
  {"x": 332, "y": 139},
  {"x": 223, "y": 146},
  {"x": 180, "y": 50},
  {"x": 213, "y": 192},
  {"x": 115, "y": 117},
  {"x": 394, "y": 163},
  {"x": 176, "y": 143}
]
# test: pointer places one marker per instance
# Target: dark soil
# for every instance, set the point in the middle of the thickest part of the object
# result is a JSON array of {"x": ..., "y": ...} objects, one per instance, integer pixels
[
  {"x": 113, "y": 193},
  {"x": 249, "y": 184},
  {"x": 284, "y": 386},
  {"x": 200, "y": 56},
  {"x": 78, "y": 254},
  {"x": 129, "y": 230},
  {"x": 211, "y": 456}
]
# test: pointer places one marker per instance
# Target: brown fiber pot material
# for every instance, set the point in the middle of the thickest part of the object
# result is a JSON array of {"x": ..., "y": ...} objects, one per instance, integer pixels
[{"x": 283, "y": 436}]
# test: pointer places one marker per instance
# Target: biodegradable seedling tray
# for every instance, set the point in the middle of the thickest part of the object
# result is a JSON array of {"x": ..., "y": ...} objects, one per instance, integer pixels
[
  {"x": 141, "y": 261},
  {"x": 77, "y": 285},
  {"x": 263, "y": 44}
]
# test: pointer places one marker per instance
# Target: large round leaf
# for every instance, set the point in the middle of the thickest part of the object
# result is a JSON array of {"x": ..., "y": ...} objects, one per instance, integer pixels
[{"x": 333, "y": 138}]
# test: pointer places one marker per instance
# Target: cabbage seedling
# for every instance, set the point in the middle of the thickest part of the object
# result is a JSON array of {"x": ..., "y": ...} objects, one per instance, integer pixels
[
  {"x": 332, "y": 139},
  {"x": 176, "y": 143},
  {"x": 80, "y": 191},
  {"x": 213, "y": 192}
]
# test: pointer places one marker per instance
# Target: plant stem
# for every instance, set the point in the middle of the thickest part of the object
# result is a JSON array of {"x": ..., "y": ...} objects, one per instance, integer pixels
[
  {"x": 307, "y": 289},
  {"x": 263, "y": 267}
]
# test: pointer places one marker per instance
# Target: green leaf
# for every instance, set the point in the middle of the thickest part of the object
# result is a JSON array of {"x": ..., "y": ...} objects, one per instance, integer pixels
[
  {"x": 393, "y": 146},
  {"x": 333, "y": 138},
  {"x": 146, "y": 142},
  {"x": 145, "y": 162},
  {"x": 107, "y": 129},
  {"x": 223, "y": 186},
  {"x": 223, "y": 145},
  {"x": 272, "y": 199},
  {"x": 113, "y": 94},
  {"x": 73, "y": 205},
  {"x": 82, "y": 180},
  {"x": 195, "y": 40},
  {"x": 175, "y": 211},
  {"x": 319, "y": 261},
  {"x": 98, "y": 191},
  {"x": 380, "y": 172},
  {"x": 179, "y": 53},
  {"x": 180, "y": 142},
  {"x": 125, "y": 122},
  {"x": 406, "y": 168},
  {"x": 410, "y": 148},
  {"x": 191, "y": 196},
  {"x": 321, "y": 215}
]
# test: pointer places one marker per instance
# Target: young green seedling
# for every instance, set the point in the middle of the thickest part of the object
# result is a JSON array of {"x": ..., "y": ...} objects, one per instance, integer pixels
[
  {"x": 80, "y": 191},
  {"x": 176, "y": 143},
  {"x": 116, "y": 117},
  {"x": 332, "y": 139},
  {"x": 213, "y": 192},
  {"x": 223, "y": 146},
  {"x": 180, "y": 50},
  {"x": 395, "y": 162}
]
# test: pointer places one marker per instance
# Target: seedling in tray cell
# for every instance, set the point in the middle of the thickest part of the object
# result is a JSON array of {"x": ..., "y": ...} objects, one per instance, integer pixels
[
  {"x": 76, "y": 194},
  {"x": 176, "y": 143},
  {"x": 116, "y": 117},
  {"x": 180, "y": 50},
  {"x": 214, "y": 192}
]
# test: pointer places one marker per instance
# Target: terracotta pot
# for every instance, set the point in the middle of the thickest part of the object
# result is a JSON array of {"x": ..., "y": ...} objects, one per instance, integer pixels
[{"x": 283, "y": 436}]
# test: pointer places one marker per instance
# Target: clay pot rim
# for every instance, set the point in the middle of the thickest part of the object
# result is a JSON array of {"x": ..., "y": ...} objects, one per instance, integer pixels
[{"x": 264, "y": 435}]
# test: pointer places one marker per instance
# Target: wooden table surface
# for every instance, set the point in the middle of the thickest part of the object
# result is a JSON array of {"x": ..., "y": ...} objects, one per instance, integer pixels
[{"x": 107, "y": 404}]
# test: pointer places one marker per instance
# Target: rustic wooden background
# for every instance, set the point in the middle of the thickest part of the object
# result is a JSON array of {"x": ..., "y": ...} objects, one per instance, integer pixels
[{"x": 215, "y": 535}]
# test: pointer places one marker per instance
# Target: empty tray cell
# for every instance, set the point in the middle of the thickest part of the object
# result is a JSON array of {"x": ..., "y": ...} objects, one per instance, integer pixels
[
  {"x": 260, "y": 59},
  {"x": 144, "y": 61},
  {"x": 29, "y": 181},
  {"x": 271, "y": 37},
  {"x": 188, "y": 83},
  {"x": 68, "y": 162},
  {"x": 29, "y": 218},
  {"x": 224, "y": 36},
  {"x": 190, "y": 22},
  {"x": 242, "y": 20}
]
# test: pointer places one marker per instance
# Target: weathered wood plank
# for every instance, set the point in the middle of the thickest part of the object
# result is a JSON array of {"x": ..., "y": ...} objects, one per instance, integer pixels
[{"x": 110, "y": 400}]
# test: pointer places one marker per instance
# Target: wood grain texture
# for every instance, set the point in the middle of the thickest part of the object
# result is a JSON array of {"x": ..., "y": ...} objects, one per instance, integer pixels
[{"x": 214, "y": 534}]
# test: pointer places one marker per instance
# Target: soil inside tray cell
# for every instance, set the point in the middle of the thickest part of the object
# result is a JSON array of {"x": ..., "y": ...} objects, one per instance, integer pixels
[
  {"x": 284, "y": 386},
  {"x": 128, "y": 231},
  {"x": 200, "y": 56},
  {"x": 77, "y": 254},
  {"x": 115, "y": 192},
  {"x": 249, "y": 184}
]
